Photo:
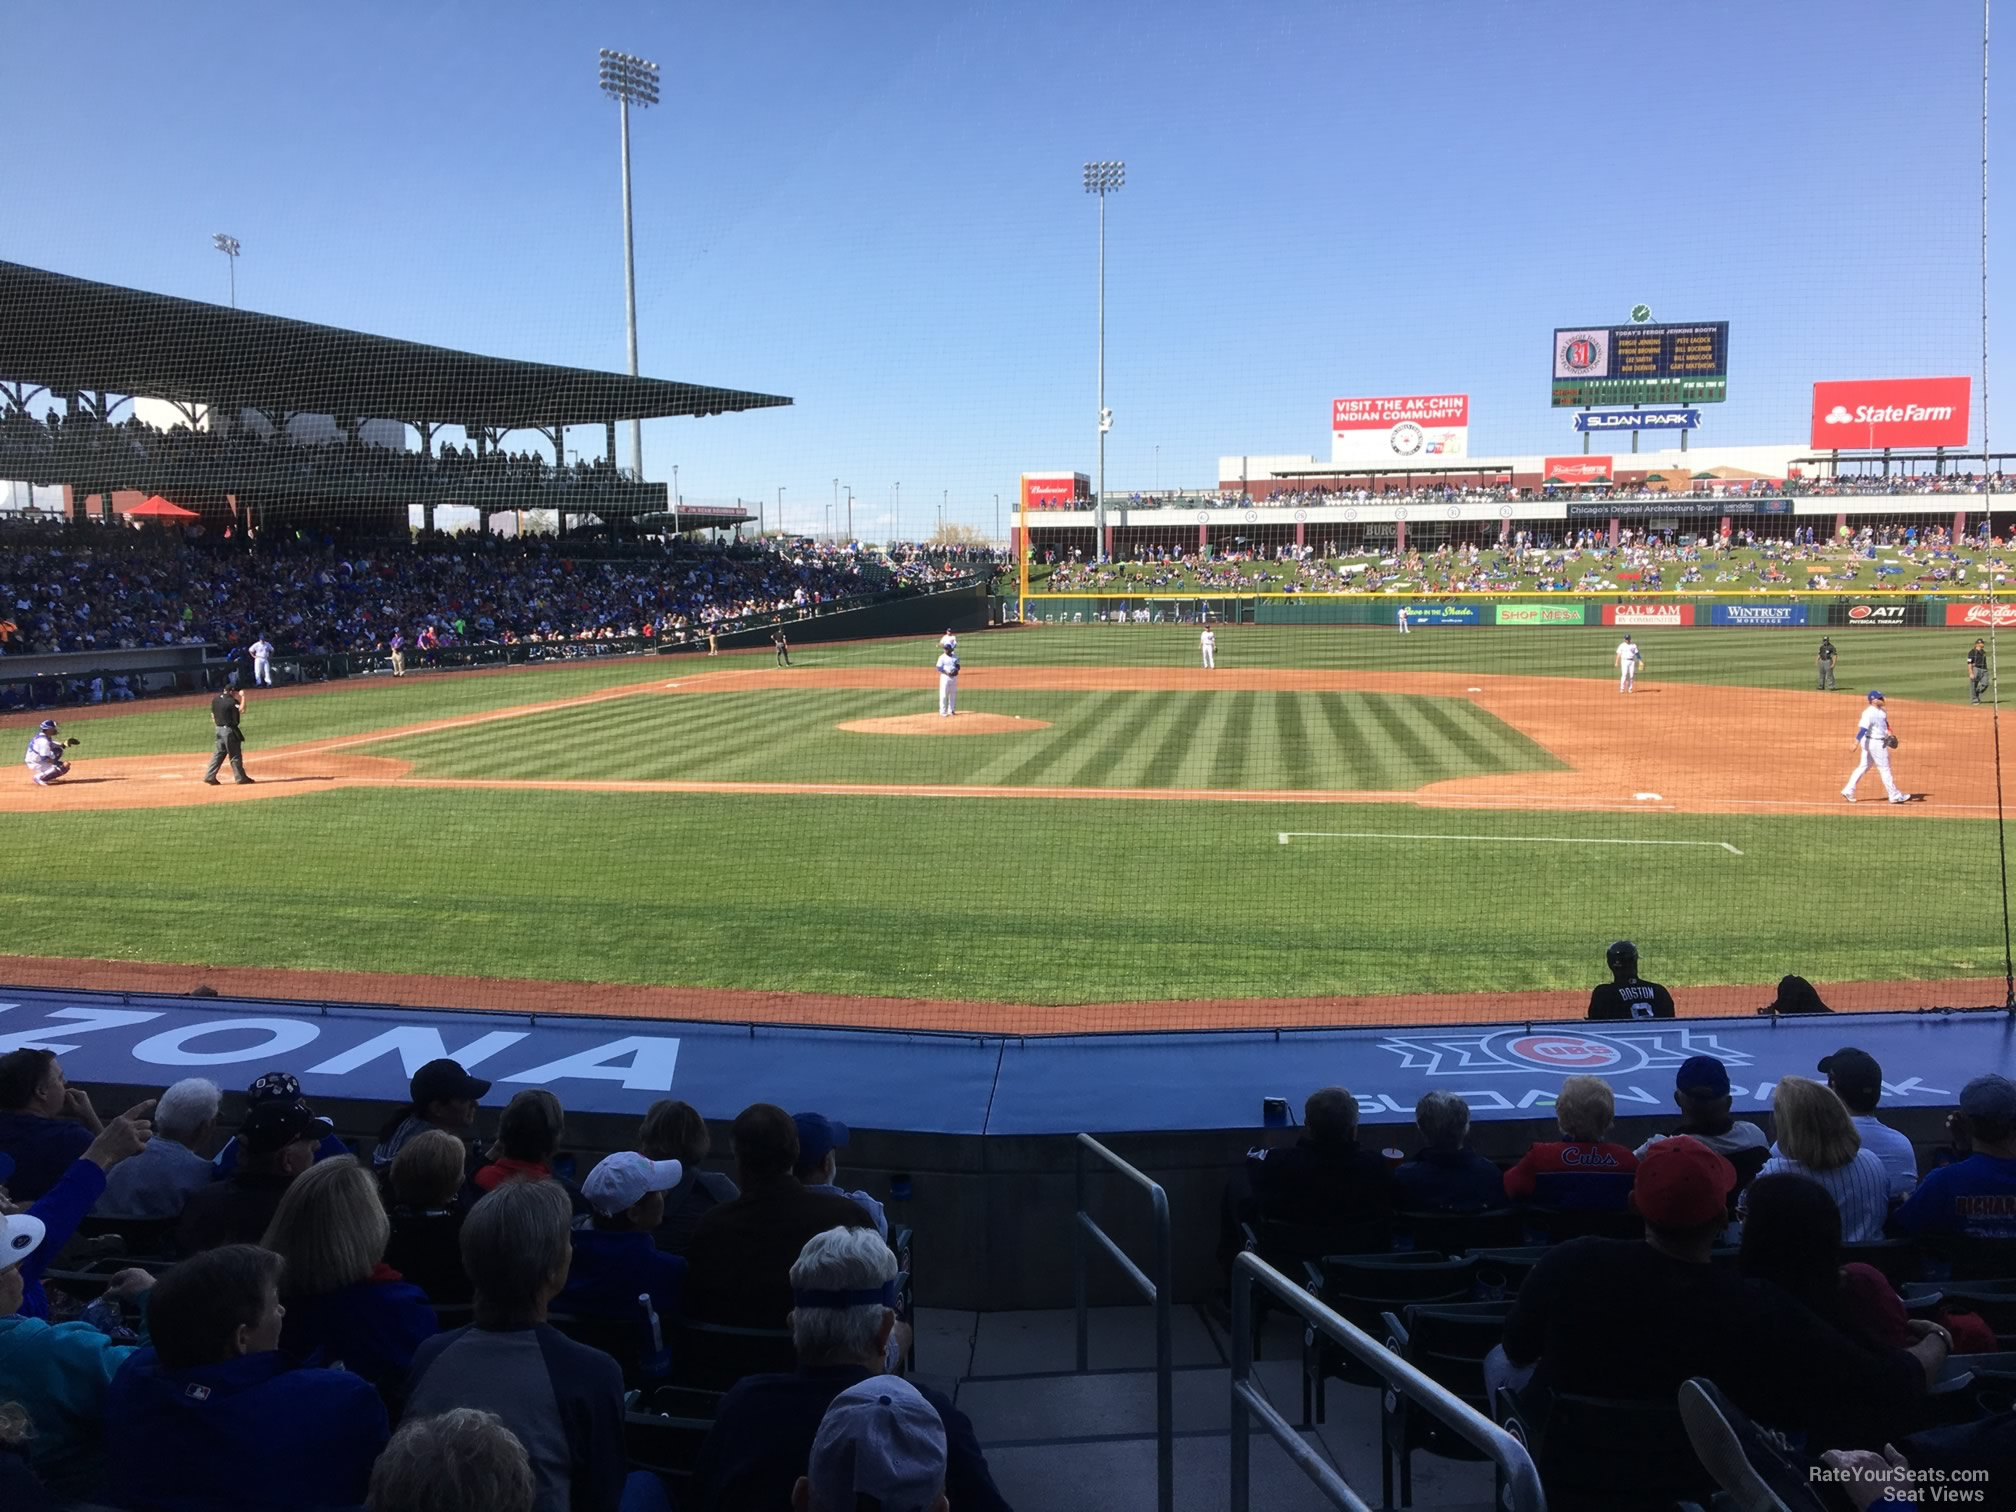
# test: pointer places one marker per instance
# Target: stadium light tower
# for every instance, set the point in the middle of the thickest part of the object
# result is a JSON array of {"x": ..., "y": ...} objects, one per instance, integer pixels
[
  {"x": 1102, "y": 179},
  {"x": 228, "y": 245},
  {"x": 630, "y": 81}
]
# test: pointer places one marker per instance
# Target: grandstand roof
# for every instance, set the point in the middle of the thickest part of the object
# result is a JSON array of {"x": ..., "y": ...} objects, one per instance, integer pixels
[{"x": 69, "y": 334}]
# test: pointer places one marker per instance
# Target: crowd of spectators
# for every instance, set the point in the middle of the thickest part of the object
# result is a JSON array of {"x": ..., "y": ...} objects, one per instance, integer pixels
[
  {"x": 1709, "y": 1254},
  {"x": 308, "y": 1302},
  {"x": 88, "y": 588}
]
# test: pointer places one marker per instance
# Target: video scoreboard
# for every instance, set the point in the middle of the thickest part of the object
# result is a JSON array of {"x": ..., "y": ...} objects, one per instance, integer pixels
[{"x": 1641, "y": 364}]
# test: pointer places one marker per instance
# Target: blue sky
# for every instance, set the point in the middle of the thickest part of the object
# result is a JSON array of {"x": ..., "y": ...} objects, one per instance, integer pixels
[{"x": 880, "y": 214}]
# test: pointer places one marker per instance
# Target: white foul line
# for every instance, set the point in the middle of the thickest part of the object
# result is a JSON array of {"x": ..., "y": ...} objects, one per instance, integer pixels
[{"x": 1286, "y": 835}]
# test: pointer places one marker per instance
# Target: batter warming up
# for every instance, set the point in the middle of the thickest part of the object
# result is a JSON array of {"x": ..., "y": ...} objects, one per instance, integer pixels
[
  {"x": 1630, "y": 656},
  {"x": 1208, "y": 644},
  {"x": 948, "y": 684},
  {"x": 224, "y": 711},
  {"x": 1876, "y": 740},
  {"x": 45, "y": 755}
]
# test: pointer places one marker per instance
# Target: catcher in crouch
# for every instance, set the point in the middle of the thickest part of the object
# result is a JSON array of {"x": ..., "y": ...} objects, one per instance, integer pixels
[
  {"x": 1877, "y": 741},
  {"x": 45, "y": 755}
]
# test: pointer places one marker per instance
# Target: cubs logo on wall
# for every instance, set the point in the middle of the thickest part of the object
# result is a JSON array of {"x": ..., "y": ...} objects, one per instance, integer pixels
[{"x": 1401, "y": 428}]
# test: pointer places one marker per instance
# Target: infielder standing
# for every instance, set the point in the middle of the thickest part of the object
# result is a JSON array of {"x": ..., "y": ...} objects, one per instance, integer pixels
[
  {"x": 1977, "y": 670},
  {"x": 948, "y": 684},
  {"x": 45, "y": 755},
  {"x": 262, "y": 662},
  {"x": 1208, "y": 644},
  {"x": 1874, "y": 737},
  {"x": 1629, "y": 657}
]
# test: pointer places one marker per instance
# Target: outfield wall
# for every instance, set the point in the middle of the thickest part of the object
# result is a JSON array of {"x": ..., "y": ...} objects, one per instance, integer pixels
[{"x": 1765, "y": 610}]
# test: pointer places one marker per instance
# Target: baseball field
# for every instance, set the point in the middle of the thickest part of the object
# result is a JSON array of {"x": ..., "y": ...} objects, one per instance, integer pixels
[{"x": 1335, "y": 825}]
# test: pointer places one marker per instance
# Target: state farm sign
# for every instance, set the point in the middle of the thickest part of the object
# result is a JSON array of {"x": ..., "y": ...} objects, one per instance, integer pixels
[
  {"x": 1399, "y": 427},
  {"x": 1890, "y": 412}
]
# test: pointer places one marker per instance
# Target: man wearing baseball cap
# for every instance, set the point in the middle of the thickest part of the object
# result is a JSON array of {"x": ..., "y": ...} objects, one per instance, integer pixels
[
  {"x": 1701, "y": 1093},
  {"x": 1976, "y": 1196},
  {"x": 616, "y": 1257},
  {"x": 277, "y": 1142},
  {"x": 443, "y": 1096},
  {"x": 275, "y": 1086},
  {"x": 880, "y": 1443},
  {"x": 1631, "y": 1318},
  {"x": 1858, "y": 1081},
  {"x": 819, "y": 1168}
]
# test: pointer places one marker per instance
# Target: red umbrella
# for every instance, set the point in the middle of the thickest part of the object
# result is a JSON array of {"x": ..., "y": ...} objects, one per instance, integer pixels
[{"x": 158, "y": 508}]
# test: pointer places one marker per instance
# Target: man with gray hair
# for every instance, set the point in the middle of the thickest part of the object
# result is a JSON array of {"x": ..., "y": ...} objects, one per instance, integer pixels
[
  {"x": 461, "y": 1461},
  {"x": 156, "y": 1184},
  {"x": 1447, "y": 1176},
  {"x": 844, "y": 1311},
  {"x": 880, "y": 1444}
]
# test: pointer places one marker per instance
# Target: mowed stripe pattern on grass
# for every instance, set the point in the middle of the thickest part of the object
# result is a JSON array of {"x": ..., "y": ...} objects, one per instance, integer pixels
[{"x": 1262, "y": 741}]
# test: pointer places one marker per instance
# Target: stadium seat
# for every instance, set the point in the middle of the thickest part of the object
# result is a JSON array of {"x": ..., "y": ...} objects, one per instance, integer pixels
[
  {"x": 1555, "y": 1225},
  {"x": 137, "y": 1236},
  {"x": 1446, "y": 1342},
  {"x": 1500, "y": 1271},
  {"x": 1970, "y": 1259},
  {"x": 453, "y": 1315},
  {"x": 686, "y": 1402},
  {"x": 1459, "y": 1233},
  {"x": 1362, "y": 1289},
  {"x": 1606, "y": 1454},
  {"x": 1902, "y": 1260},
  {"x": 1288, "y": 1247},
  {"x": 629, "y": 1338},
  {"x": 669, "y": 1447},
  {"x": 714, "y": 1356}
]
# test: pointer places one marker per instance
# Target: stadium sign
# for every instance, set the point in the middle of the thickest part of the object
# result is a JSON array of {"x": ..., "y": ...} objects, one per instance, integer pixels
[
  {"x": 1767, "y": 615},
  {"x": 1641, "y": 364},
  {"x": 1402, "y": 426},
  {"x": 1571, "y": 470},
  {"x": 1880, "y": 413},
  {"x": 1650, "y": 615},
  {"x": 1876, "y": 614},
  {"x": 1638, "y": 419},
  {"x": 1443, "y": 614},
  {"x": 1980, "y": 616},
  {"x": 1541, "y": 614}
]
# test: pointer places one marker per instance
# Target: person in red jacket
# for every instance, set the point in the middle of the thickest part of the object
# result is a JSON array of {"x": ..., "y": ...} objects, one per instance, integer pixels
[{"x": 1580, "y": 1170}]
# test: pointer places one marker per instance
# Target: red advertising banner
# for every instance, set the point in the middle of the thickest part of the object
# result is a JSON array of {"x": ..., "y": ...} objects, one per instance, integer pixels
[
  {"x": 1980, "y": 616},
  {"x": 1871, "y": 413},
  {"x": 1382, "y": 414},
  {"x": 1577, "y": 470},
  {"x": 1053, "y": 490},
  {"x": 1651, "y": 615}
]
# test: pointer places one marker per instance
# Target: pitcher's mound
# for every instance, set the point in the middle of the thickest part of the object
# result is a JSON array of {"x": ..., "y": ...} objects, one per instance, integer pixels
[{"x": 934, "y": 724}]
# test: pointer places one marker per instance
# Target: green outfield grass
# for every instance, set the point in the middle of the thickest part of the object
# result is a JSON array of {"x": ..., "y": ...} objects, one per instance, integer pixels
[
  {"x": 1030, "y": 900},
  {"x": 1060, "y": 901}
]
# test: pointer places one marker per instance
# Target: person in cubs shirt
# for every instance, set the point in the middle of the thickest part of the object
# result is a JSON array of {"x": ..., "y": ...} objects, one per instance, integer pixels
[{"x": 1624, "y": 996}]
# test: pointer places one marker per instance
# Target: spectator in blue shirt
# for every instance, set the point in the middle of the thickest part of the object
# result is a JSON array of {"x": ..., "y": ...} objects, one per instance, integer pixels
[
  {"x": 212, "y": 1418},
  {"x": 615, "y": 1258},
  {"x": 1447, "y": 1176},
  {"x": 66, "y": 1204},
  {"x": 1976, "y": 1196},
  {"x": 819, "y": 1167},
  {"x": 344, "y": 1305},
  {"x": 674, "y": 1130},
  {"x": 45, "y": 1123},
  {"x": 275, "y": 1086},
  {"x": 155, "y": 1184}
]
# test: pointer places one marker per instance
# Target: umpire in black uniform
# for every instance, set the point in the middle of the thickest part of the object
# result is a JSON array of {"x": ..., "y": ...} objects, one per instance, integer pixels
[
  {"x": 1826, "y": 660},
  {"x": 1624, "y": 996},
  {"x": 224, "y": 711}
]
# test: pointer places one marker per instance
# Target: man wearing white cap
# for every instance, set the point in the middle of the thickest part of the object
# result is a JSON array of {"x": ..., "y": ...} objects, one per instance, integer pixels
[
  {"x": 879, "y": 1441},
  {"x": 616, "y": 1259}
]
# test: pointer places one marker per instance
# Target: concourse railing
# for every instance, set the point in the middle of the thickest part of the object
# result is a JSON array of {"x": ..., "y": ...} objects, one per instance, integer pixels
[
  {"x": 1518, "y": 1480},
  {"x": 1156, "y": 1288}
]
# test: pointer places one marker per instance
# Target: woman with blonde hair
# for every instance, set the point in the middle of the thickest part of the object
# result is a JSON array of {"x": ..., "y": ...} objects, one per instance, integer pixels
[
  {"x": 1817, "y": 1140},
  {"x": 343, "y": 1302},
  {"x": 674, "y": 1130}
]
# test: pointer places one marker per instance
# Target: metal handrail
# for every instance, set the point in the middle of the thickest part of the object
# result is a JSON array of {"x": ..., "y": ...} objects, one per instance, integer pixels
[
  {"x": 1155, "y": 1289},
  {"x": 1519, "y": 1480}
]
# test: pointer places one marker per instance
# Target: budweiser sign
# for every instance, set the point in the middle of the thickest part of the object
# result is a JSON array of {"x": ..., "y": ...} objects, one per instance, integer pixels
[{"x": 1880, "y": 413}]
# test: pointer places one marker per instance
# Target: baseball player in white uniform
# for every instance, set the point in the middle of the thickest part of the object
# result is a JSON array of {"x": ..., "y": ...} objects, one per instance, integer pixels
[
  {"x": 949, "y": 643},
  {"x": 45, "y": 755},
  {"x": 262, "y": 662},
  {"x": 948, "y": 684},
  {"x": 1207, "y": 643},
  {"x": 1629, "y": 655},
  {"x": 1873, "y": 735},
  {"x": 1401, "y": 619}
]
